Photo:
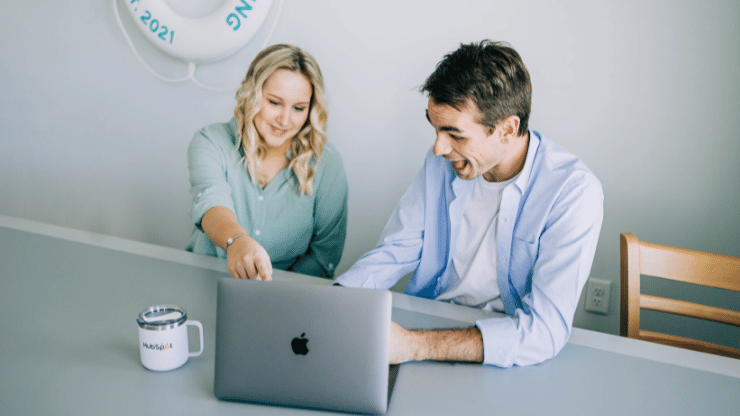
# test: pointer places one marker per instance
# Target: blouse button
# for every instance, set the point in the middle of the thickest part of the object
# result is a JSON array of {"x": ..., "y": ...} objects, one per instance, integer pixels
[
  {"x": 260, "y": 197},
  {"x": 257, "y": 232}
]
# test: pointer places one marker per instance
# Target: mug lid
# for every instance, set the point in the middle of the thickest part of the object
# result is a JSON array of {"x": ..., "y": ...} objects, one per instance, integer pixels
[{"x": 162, "y": 317}]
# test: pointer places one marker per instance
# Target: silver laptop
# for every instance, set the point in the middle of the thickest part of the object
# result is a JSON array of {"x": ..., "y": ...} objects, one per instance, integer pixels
[{"x": 312, "y": 346}]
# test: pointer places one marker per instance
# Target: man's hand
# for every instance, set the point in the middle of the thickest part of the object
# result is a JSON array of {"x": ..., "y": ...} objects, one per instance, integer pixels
[{"x": 247, "y": 259}]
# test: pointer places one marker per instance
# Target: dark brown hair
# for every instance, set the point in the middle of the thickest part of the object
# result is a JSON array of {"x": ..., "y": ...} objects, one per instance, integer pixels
[{"x": 491, "y": 75}]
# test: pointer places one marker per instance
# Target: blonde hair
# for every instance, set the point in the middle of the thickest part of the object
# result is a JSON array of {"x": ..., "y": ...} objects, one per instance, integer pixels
[{"x": 311, "y": 138}]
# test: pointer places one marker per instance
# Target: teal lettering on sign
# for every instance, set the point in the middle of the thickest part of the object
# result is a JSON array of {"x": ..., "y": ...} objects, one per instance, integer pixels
[
  {"x": 233, "y": 19},
  {"x": 165, "y": 33},
  {"x": 245, "y": 7}
]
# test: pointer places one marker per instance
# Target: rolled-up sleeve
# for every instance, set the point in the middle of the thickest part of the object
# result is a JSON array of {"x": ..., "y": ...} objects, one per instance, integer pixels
[{"x": 207, "y": 164}]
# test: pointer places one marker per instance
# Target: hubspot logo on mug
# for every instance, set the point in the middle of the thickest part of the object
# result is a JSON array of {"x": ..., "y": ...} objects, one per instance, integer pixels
[{"x": 163, "y": 337}]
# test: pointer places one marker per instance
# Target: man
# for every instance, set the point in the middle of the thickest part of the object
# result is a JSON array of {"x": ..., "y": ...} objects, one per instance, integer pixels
[{"x": 499, "y": 218}]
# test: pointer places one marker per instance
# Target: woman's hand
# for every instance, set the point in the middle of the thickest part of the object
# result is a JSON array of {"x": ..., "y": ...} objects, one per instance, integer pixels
[{"x": 247, "y": 259}]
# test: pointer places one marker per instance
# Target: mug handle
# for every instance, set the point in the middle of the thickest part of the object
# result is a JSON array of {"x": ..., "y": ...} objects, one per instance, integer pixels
[{"x": 200, "y": 332}]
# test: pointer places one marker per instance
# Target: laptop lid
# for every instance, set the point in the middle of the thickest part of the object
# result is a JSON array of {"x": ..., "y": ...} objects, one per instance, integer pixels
[{"x": 313, "y": 346}]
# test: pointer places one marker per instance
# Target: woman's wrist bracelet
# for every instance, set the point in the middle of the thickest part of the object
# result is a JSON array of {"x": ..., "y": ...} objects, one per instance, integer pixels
[{"x": 230, "y": 241}]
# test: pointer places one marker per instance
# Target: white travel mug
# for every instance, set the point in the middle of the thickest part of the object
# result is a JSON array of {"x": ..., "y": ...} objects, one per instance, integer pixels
[{"x": 163, "y": 337}]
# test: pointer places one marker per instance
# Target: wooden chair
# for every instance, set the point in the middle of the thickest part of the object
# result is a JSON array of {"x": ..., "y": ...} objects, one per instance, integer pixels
[{"x": 715, "y": 270}]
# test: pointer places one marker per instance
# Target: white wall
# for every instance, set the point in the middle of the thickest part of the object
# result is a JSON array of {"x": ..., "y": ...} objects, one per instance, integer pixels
[{"x": 646, "y": 93}]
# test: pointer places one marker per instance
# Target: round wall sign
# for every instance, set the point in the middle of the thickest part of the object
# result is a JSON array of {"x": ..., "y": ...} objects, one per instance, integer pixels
[{"x": 199, "y": 40}]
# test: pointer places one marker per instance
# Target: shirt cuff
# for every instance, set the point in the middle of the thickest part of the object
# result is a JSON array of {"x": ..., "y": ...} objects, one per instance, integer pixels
[
  {"x": 499, "y": 341},
  {"x": 356, "y": 279},
  {"x": 205, "y": 199}
]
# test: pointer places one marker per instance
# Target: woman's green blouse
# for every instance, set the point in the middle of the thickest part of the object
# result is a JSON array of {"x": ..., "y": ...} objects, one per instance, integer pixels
[{"x": 301, "y": 233}]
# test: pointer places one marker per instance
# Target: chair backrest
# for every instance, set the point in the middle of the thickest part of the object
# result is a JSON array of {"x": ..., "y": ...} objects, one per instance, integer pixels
[{"x": 691, "y": 266}]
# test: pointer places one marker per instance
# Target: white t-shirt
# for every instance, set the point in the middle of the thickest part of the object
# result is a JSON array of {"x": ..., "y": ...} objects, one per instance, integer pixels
[{"x": 474, "y": 257}]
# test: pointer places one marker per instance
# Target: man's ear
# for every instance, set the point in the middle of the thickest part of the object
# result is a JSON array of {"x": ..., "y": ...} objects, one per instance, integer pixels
[{"x": 509, "y": 128}]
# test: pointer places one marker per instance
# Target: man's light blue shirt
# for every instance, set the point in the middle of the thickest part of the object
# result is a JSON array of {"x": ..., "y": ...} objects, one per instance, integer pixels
[{"x": 548, "y": 227}]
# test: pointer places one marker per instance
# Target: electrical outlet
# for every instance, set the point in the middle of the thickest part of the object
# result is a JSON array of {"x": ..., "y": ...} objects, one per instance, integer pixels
[{"x": 597, "y": 296}]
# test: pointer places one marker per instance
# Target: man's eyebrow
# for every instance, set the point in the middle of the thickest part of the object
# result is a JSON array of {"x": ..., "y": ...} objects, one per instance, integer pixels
[{"x": 443, "y": 128}]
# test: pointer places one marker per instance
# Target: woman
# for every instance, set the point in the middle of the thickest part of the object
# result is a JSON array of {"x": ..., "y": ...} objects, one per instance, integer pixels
[{"x": 268, "y": 190}]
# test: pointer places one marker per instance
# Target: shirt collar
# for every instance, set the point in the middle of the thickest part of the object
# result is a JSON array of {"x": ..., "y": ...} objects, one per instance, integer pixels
[
  {"x": 523, "y": 179},
  {"x": 234, "y": 126}
]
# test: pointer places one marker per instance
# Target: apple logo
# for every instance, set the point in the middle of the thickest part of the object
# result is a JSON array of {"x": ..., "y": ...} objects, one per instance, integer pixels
[{"x": 299, "y": 345}]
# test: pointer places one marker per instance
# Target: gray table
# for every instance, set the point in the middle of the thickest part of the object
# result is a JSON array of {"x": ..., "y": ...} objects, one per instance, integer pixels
[{"x": 69, "y": 345}]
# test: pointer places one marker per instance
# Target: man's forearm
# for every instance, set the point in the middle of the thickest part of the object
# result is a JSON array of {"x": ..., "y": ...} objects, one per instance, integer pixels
[{"x": 464, "y": 345}]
